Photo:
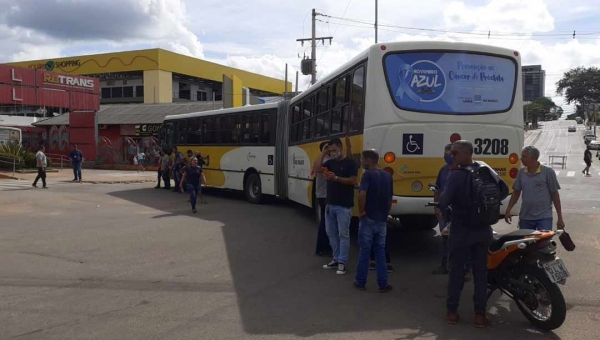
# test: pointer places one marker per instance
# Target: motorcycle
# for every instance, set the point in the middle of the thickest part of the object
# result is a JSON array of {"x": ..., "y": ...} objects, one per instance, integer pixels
[{"x": 523, "y": 264}]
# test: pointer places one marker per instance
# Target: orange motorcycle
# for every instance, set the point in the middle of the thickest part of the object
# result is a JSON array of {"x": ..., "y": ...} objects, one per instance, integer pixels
[{"x": 524, "y": 265}]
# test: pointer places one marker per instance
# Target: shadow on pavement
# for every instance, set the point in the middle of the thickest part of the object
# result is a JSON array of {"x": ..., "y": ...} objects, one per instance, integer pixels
[{"x": 282, "y": 289}]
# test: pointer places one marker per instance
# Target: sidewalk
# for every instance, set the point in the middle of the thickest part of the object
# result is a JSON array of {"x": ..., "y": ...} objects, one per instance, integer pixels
[{"x": 89, "y": 176}]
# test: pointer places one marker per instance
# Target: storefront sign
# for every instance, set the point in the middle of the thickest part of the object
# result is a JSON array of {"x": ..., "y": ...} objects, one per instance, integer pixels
[{"x": 147, "y": 129}]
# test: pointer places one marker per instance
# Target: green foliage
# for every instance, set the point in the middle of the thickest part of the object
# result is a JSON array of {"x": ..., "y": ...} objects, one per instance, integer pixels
[
  {"x": 24, "y": 158},
  {"x": 581, "y": 85}
]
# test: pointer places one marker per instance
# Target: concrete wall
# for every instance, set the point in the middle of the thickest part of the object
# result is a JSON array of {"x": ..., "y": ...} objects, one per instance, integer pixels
[{"x": 158, "y": 87}]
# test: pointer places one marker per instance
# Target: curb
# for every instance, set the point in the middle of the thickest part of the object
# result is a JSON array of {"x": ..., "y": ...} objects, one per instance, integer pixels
[
  {"x": 3, "y": 176},
  {"x": 121, "y": 182}
]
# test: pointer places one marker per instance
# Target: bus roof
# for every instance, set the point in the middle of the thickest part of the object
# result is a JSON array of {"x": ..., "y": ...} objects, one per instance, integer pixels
[
  {"x": 223, "y": 111},
  {"x": 400, "y": 46}
]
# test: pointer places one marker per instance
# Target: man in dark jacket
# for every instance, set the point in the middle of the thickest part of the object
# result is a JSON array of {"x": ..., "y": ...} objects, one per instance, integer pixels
[{"x": 467, "y": 236}]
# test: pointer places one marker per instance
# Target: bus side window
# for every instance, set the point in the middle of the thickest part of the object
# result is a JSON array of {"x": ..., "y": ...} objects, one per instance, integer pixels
[
  {"x": 339, "y": 120},
  {"x": 195, "y": 132},
  {"x": 358, "y": 98},
  {"x": 294, "y": 135},
  {"x": 209, "y": 131},
  {"x": 181, "y": 131},
  {"x": 265, "y": 137},
  {"x": 322, "y": 115}
]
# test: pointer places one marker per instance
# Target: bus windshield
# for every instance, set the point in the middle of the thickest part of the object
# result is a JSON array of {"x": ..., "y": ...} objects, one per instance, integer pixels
[{"x": 447, "y": 82}]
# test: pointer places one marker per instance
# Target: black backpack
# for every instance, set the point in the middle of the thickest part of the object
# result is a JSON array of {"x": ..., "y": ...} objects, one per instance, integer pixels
[{"x": 486, "y": 194}]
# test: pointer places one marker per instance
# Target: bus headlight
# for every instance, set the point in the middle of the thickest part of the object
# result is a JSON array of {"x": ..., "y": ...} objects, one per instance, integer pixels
[{"x": 416, "y": 186}]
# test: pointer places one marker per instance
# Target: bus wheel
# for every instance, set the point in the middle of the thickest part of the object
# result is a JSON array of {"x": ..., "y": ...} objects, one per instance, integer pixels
[{"x": 253, "y": 189}]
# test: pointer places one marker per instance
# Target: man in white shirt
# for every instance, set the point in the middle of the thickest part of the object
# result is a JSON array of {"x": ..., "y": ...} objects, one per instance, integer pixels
[{"x": 41, "y": 166}]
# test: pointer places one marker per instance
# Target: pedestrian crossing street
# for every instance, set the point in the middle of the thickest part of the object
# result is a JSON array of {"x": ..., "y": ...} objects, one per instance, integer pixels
[{"x": 11, "y": 184}]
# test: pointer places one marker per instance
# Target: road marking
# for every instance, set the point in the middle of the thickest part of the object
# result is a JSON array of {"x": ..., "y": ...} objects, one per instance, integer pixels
[
  {"x": 570, "y": 173},
  {"x": 11, "y": 184}
]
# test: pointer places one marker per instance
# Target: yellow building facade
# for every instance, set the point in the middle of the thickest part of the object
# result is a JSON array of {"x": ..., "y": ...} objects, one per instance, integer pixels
[{"x": 160, "y": 76}]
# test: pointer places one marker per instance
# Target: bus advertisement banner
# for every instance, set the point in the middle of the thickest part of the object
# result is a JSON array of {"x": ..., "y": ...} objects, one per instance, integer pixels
[{"x": 451, "y": 82}]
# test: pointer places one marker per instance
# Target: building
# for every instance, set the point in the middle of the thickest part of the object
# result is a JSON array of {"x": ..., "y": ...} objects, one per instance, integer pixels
[
  {"x": 534, "y": 81},
  {"x": 160, "y": 76},
  {"x": 122, "y": 129}
]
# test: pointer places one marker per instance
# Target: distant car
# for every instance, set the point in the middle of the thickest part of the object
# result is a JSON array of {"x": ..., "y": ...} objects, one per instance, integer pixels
[
  {"x": 594, "y": 145},
  {"x": 572, "y": 128}
]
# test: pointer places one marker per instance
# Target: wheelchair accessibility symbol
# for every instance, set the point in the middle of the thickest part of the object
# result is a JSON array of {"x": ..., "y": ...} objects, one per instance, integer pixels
[{"x": 412, "y": 144}]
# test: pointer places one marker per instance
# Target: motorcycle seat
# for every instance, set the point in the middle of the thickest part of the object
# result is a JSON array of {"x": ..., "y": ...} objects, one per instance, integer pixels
[{"x": 515, "y": 235}]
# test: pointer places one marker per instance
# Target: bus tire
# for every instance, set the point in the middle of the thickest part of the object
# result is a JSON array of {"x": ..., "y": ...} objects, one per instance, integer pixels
[{"x": 253, "y": 188}]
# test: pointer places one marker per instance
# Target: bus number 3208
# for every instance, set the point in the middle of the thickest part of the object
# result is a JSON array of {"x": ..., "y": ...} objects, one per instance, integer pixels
[{"x": 487, "y": 146}]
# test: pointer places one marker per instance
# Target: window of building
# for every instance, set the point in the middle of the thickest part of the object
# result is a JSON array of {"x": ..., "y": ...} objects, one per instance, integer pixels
[
  {"x": 127, "y": 91},
  {"x": 201, "y": 96},
  {"x": 139, "y": 91},
  {"x": 116, "y": 92},
  {"x": 105, "y": 92}
]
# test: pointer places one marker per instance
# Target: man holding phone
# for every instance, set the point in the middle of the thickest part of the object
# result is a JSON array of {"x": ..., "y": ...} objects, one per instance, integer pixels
[{"x": 341, "y": 174}]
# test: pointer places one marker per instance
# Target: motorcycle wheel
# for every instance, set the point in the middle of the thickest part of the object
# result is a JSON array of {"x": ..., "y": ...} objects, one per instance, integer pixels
[{"x": 543, "y": 303}]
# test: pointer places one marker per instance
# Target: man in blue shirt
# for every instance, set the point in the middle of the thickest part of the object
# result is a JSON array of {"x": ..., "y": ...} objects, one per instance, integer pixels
[
  {"x": 76, "y": 158},
  {"x": 374, "y": 204}
]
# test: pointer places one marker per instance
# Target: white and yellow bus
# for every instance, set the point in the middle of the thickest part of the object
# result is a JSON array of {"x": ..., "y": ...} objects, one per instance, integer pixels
[{"x": 405, "y": 99}]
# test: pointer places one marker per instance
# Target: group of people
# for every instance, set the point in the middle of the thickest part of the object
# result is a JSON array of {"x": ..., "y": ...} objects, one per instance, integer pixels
[
  {"x": 76, "y": 157},
  {"x": 466, "y": 234},
  {"x": 188, "y": 176}
]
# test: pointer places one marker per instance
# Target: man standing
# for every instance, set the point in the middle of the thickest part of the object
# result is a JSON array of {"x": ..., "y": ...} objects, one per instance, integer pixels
[
  {"x": 164, "y": 166},
  {"x": 160, "y": 173},
  {"x": 374, "y": 204},
  {"x": 177, "y": 165},
  {"x": 340, "y": 172},
  {"x": 587, "y": 158},
  {"x": 191, "y": 179},
  {"x": 539, "y": 186},
  {"x": 441, "y": 181},
  {"x": 469, "y": 236},
  {"x": 323, "y": 248},
  {"x": 40, "y": 158},
  {"x": 76, "y": 158}
]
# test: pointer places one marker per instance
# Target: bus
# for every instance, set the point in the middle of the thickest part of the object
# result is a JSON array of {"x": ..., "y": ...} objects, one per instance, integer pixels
[
  {"x": 10, "y": 135},
  {"x": 406, "y": 100}
]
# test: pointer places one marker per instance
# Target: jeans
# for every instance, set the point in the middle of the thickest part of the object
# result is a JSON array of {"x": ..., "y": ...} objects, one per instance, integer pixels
[
  {"x": 177, "y": 178},
  {"x": 337, "y": 225},
  {"x": 193, "y": 190},
  {"x": 541, "y": 224},
  {"x": 159, "y": 176},
  {"x": 322, "y": 239},
  {"x": 461, "y": 245},
  {"x": 77, "y": 170},
  {"x": 371, "y": 235},
  {"x": 166, "y": 176},
  {"x": 41, "y": 174}
]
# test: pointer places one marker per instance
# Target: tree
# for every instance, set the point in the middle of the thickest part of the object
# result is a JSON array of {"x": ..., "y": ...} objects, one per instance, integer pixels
[{"x": 580, "y": 85}]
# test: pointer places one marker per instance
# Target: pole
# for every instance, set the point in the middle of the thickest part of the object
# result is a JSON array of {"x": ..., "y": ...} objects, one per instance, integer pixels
[
  {"x": 376, "y": 10},
  {"x": 285, "y": 83},
  {"x": 313, "y": 50},
  {"x": 14, "y": 166},
  {"x": 214, "y": 104},
  {"x": 296, "y": 92}
]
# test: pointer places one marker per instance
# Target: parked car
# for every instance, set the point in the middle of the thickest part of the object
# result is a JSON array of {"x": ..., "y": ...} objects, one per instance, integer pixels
[
  {"x": 594, "y": 145},
  {"x": 572, "y": 128}
]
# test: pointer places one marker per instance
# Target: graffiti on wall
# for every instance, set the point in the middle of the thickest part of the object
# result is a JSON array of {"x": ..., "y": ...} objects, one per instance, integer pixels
[
  {"x": 124, "y": 149},
  {"x": 59, "y": 139}
]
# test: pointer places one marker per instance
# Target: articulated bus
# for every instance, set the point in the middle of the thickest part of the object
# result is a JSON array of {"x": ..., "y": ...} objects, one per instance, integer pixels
[{"x": 406, "y": 100}]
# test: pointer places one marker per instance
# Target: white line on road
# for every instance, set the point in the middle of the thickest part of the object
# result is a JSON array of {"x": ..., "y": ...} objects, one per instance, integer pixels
[{"x": 570, "y": 173}]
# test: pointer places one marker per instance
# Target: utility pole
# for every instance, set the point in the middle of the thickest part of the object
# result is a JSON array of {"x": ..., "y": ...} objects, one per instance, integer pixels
[
  {"x": 376, "y": 12},
  {"x": 309, "y": 66}
]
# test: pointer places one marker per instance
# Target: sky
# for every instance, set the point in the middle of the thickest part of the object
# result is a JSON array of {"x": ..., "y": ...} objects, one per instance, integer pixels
[{"x": 260, "y": 35}]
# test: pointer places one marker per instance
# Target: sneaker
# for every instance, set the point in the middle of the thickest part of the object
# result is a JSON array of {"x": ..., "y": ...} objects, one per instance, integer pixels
[
  {"x": 79, "y": 181},
  {"x": 468, "y": 277},
  {"x": 44, "y": 187},
  {"x": 34, "y": 185},
  {"x": 385, "y": 289},
  {"x": 372, "y": 265},
  {"x": 75, "y": 180},
  {"x": 452, "y": 318},
  {"x": 359, "y": 287},
  {"x": 341, "y": 270},
  {"x": 446, "y": 231},
  {"x": 331, "y": 265},
  {"x": 194, "y": 211},
  {"x": 390, "y": 268},
  {"x": 481, "y": 320},
  {"x": 583, "y": 172}
]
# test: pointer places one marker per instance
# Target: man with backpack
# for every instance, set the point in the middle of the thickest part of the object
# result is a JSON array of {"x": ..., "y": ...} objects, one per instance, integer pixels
[{"x": 474, "y": 191}]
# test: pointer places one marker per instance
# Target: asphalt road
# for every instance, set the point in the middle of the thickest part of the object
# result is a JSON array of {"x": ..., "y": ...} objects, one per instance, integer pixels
[{"x": 87, "y": 261}]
